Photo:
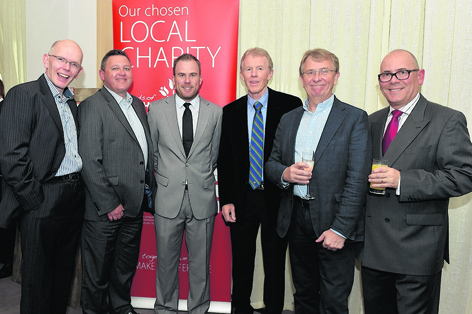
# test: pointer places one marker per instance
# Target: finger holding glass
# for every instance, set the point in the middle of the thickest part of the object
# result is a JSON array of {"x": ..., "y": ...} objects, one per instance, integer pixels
[{"x": 307, "y": 157}]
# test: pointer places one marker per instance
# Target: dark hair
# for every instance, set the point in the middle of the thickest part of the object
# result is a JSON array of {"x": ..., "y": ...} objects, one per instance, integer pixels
[
  {"x": 114, "y": 52},
  {"x": 187, "y": 57},
  {"x": 2, "y": 89}
]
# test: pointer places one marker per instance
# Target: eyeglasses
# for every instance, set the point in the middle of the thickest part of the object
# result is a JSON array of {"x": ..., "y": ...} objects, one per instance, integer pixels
[
  {"x": 400, "y": 75},
  {"x": 74, "y": 65},
  {"x": 322, "y": 72}
]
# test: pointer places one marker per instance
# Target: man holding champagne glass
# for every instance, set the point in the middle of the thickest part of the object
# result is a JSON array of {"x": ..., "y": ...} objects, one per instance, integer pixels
[{"x": 322, "y": 229}]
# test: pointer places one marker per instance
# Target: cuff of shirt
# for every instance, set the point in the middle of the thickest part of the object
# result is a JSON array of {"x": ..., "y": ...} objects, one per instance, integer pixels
[{"x": 337, "y": 233}]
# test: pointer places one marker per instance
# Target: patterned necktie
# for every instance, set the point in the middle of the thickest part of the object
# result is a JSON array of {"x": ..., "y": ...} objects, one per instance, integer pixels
[
  {"x": 187, "y": 129},
  {"x": 391, "y": 130},
  {"x": 256, "y": 150}
]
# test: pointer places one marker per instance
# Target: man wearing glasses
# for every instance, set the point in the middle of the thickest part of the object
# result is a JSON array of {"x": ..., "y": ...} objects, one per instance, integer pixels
[
  {"x": 322, "y": 229},
  {"x": 430, "y": 160},
  {"x": 42, "y": 188}
]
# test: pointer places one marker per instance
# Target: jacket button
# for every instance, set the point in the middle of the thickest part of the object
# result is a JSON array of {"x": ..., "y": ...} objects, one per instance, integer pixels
[
  {"x": 387, "y": 220},
  {"x": 141, "y": 163}
]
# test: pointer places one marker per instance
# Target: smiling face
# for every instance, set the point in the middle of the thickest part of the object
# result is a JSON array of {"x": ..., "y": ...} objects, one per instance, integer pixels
[
  {"x": 318, "y": 87},
  {"x": 400, "y": 92},
  {"x": 256, "y": 74},
  {"x": 187, "y": 79},
  {"x": 118, "y": 74},
  {"x": 62, "y": 74}
]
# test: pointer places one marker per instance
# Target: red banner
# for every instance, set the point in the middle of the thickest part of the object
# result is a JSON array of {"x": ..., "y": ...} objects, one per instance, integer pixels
[{"x": 154, "y": 34}]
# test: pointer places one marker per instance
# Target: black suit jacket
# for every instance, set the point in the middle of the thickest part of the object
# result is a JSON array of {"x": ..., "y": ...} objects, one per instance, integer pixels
[
  {"x": 32, "y": 142},
  {"x": 233, "y": 160}
]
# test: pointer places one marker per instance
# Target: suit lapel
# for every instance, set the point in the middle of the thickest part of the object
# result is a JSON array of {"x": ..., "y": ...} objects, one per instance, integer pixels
[
  {"x": 50, "y": 103},
  {"x": 271, "y": 124},
  {"x": 170, "y": 111},
  {"x": 408, "y": 132},
  {"x": 377, "y": 129},
  {"x": 115, "y": 108},
  {"x": 242, "y": 128},
  {"x": 203, "y": 117},
  {"x": 335, "y": 118}
]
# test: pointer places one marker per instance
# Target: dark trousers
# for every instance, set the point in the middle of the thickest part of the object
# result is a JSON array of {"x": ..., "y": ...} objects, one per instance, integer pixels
[
  {"x": 7, "y": 239},
  {"x": 110, "y": 253},
  {"x": 243, "y": 245},
  {"x": 322, "y": 278},
  {"x": 49, "y": 242},
  {"x": 391, "y": 293}
]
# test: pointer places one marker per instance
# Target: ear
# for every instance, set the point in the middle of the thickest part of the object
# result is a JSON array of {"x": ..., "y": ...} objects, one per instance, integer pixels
[
  {"x": 270, "y": 75},
  {"x": 421, "y": 76},
  {"x": 46, "y": 60},
  {"x": 101, "y": 74}
]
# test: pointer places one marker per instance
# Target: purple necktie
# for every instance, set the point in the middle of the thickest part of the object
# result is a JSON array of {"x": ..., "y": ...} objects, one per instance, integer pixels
[{"x": 391, "y": 131}]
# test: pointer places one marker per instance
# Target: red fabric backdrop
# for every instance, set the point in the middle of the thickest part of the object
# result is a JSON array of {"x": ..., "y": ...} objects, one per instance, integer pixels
[{"x": 153, "y": 33}]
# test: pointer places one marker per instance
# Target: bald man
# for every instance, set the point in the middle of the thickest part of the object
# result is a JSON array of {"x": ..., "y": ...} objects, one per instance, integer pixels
[
  {"x": 41, "y": 184},
  {"x": 429, "y": 161}
]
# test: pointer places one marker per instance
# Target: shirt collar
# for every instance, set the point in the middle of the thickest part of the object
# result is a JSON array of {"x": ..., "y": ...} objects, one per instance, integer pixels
[
  {"x": 408, "y": 107},
  {"x": 128, "y": 99},
  {"x": 325, "y": 105},
  {"x": 67, "y": 94},
  {"x": 263, "y": 100},
  {"x": 193, "y": 103}
]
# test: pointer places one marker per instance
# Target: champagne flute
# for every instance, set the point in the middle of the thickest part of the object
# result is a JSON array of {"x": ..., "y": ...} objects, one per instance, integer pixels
[{"x": 307, "y": 157}]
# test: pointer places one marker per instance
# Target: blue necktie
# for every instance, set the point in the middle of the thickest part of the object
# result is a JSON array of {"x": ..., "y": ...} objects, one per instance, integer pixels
[{"x": 256, "y": 150}]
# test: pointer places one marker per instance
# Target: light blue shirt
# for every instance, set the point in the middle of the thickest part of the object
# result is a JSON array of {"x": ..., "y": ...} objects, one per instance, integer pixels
[
  {"x": 72, "y": 161},
  {"x": 250, "y": 117},
  {"x": 309, "y": 134},
  {"x": 133, "y": 120}
]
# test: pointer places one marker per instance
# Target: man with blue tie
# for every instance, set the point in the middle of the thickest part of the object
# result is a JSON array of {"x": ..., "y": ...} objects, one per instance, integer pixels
[{"x": 248, "y": 131}]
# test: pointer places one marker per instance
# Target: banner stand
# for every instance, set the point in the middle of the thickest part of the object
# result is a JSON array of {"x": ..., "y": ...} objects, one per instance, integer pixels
[{"x": 148, "y": 303}]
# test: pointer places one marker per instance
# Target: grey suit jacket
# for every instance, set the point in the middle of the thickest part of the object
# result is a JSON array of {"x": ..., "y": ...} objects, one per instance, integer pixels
[
  {"x": 408, "y": 234},
  {"x": 342, "y": 165},
  {"x": 173, "y": 168},
  {"x": 113, "y": 170},
  {"x": 32, "y": 146}
]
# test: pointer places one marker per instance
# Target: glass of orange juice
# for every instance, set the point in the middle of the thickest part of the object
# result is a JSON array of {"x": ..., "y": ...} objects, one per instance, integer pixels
[{"x": 376, "y": 163}]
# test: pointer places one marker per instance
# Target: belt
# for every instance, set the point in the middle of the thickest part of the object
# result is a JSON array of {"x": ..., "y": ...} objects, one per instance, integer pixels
[
  {"x": 303, "y": 203},
  {"x": 71, "y": 177}
]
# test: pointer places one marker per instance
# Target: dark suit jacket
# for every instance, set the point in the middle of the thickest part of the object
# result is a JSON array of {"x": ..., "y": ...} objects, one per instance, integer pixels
[
  {"x": 32, "y": 146},
  {"x": 408, "y": 234},
  {"x": 233, "y": 160},
  {"x": 342, "y": 165},
  {"x": 113, "y": 169}
]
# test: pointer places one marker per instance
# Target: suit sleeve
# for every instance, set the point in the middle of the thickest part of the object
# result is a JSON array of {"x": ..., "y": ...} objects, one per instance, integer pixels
[
  {"x": 17, "y": 118},
  {"x": 277, "y": 163},
  {"x": 91, "y": 141},
  {"x": 356, "y": 185},
  {"x": 215, "y": 141},
  {"x": 451, "y": 172}
]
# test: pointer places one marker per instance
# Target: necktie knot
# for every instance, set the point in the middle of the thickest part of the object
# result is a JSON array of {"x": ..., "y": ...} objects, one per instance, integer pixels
[
  {"x": 391, "y": 130},
  {"x": 396, "y": 114},
  {"x": 187, "y": 105},
  {"x": 257, "y": 106}
]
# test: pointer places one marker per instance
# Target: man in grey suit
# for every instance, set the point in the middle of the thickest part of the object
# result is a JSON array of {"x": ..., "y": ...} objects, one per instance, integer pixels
[
  {"x": 430, "y": 160},
  {"x": 41, "y": 181},
  {"x": 323, "y": 230},
  {"x": 185, "y": 133},
  {"x": 115, "y": 145}
]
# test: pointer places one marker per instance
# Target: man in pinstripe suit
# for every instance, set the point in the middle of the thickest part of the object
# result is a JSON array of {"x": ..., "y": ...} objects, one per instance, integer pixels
[{"x": 41, "y": 183}]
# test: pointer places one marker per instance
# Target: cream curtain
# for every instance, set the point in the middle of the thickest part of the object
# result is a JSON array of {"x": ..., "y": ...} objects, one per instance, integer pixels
[
  {"x": 12, "y": 42},
  {"x": 361, "y": 33}
]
